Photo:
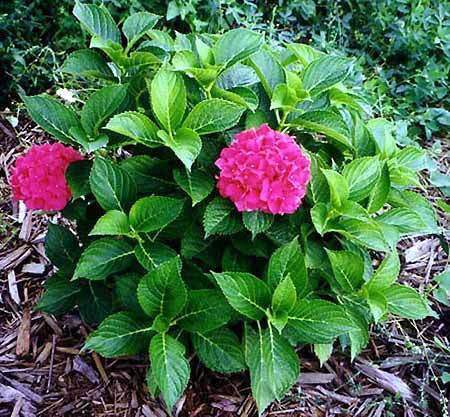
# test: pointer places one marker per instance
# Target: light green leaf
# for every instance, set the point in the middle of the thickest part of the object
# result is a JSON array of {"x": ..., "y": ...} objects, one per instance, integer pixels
[
  {"x": 120, "y": 334},
  {"x": 213, "y": 115},
  {"x": 348, "y": 270},
  {"x": 284, "y": 97},
  {"x": 361, "y": 175},
  {"x": 205, "y": 310},
  {"x": 236, "y": 45},
  {"x": 136, "y": 126},
  {"x": 87, "y": 63},
  {"x": 323, "y": 351},
  {"x": 52, "y": 116},
  {"x": 104, "y": 257},
  {"x": 168, "y": 98},
  {"x": 412, "y": 157},
  {"x": 339, "y": 190},
  {"x": 379, "y": 193},
  {"x": 98, "y": 21},
  {"x": 152, "y": 254},
  {"x": 386, "y": 274},
  {"x": 154, "y": 213},
  {"x": 170, "y": 367},
  {"x": 137, "y": 25},
  {"x": 269, "y": 70},
  {"x": 113, "y": 222},
  {"x": 304, "y": 53},
  {"x": 186, "y": 144},
  {"x": 317, "y": 321},
  {"x": 257, "y": 222},
  {"x": 381, "y": 132},
  {"x": 325, "y": 72},
  {"x": 283, "y": 301},
  {"x": 406, "y": 220},
  {"x": 198, "y": 184},
  {"x": 247, "y": 294},
  {"x": 319, "y": 216},
  {"x": 162, "y": 291},
  {"x": 378, "y": 304},
  {"x": 113, "y": 188},
  {"x": 220, "y": 350},
  {"x": 238, "y": 75},
  {"x": 407, "y": 303},
  {"x": 221, "y": 218}
]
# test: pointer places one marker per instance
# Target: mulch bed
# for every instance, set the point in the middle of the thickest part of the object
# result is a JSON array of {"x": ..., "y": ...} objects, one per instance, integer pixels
[{"x": 44, "y": 373}]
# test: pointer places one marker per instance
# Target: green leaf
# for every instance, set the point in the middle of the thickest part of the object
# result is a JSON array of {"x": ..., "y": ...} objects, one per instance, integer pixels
[
  {"x": 104, "y": 257},
  {"x": 326, "y": 122},
  {"x": 304, "y": 53},
  {"x": 318, "y": 184},
  {"x": 406, "y": 220},
  {"x": 152, "y": 254},
  {"x": 323, "y": 351},
  {"x": 348, "y": 270},
  {"x": 154, "y": 213},
  {"x": 386, "y": 274},
  {"x": 87, "y": 63},
  {"x": 359, "y": 335},
  {"x": 170, "y": 367},
  {"x": 273, "y": 364},
  {"x": 288, "y": 260},
  {"x": 412, "y": 157},
  {"x": 283, "y": 301},
  {"x": 136, "y": 126},
  {"x": 361, "y": 175},
  {"x": 168, "y": 98},
  {"x": 205, "y": 310},
  {"x": 339, "y": 190},
  {"x": 236, "y": 45},
  {"x": 238, "y": 75},
  {"x": 407, "y": 303},
  {"x": 52, "y": 116},
  {"x": 162, "y": 291},
  {"x": 381, "y": 132},
  {"x": 113, "y": 222},
  {"x": 120, "y": 334},
  {"x": 379, "y": 193},
  {"x": 186, "y": 144},
  {"x": 220, "y": 350},
  {"x": 246, "y": 294},
  {"x": 257, "y": 222},
  {"x": 221, "y": 218},
  {"x": 269, "y": 70},
  {"x": 325, "y": 72},
  {"x": 125, "y": 291},
  {"x": 198, "y": 184},
  {"x": 213, "y": 115},
  {"x": 100, "y": 106},
  {"x": 59, "y": 297},
  {"x": 62, "y": 248},
  {"x": 319, "y": 216},
  {"x": 377, "y": 304},
  {"x": 98, "y": 21},
  {"x": 95, "y": 302},
  {"x": 317, "y": 321},
  {"x": 77, "y": 177},
  {"x": 284, "y": 97},
  {"x": 137, "y": 25},
  {"x": 113, "y": 188}
]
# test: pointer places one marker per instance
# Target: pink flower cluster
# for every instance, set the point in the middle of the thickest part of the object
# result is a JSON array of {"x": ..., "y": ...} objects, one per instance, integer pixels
[
  {"x": 38, "y": 176},
  {"x": 263, "y": 170}
]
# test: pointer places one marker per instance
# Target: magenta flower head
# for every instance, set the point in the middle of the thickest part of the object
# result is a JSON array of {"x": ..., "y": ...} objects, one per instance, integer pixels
[
  {"x": 38, "y": 177},
  {"x": 263, "y": 170}
]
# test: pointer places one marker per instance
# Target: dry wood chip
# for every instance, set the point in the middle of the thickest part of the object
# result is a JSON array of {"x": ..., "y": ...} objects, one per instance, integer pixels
[
  {"x": 315, "y": 378},
  {"x": 80, "y": 366},
  {"x": 338, "y": 397},
  {"x": 33, "y": 268},
  {"x": 23, "y": 334},
  {"x": 10, "y": 395},
  {"x": 45, "y": 353},
  {"x": 12, "y": 286},
  {"x": 27, "y": 227},
  {"x": 14, "y": 258}
]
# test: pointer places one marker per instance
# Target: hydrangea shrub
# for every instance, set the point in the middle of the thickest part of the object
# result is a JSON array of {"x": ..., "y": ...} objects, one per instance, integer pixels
[{"x": 234, "y": 200}]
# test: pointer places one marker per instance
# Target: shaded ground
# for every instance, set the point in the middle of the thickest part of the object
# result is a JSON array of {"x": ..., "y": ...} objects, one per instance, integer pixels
[{"x": 43, "y": 373}]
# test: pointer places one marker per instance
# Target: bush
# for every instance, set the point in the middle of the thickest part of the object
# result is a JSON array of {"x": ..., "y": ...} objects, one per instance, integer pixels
[{"x": 166, "y": 264}]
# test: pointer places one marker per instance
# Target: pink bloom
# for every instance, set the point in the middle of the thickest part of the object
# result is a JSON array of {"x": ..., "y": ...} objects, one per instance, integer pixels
[
  {"x": 263, "y": 170},
  {"x": 38, "y": 176}
]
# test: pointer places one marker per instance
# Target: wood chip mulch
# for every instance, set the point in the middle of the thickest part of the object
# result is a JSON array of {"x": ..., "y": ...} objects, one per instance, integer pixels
[{"x": 43, "y": 373}]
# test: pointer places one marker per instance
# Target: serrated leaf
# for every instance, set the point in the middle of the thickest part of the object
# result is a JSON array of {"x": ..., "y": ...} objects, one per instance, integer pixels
[
  {"x": 154, "y": 213},
  {"x": 316, "y": 321},
  {"x": 168, "y": 98},
  {"x": 113, "y": 222},
  {"x": 212, "y": 116},
  {"x": 125, "y": 291},
  {"x": 52, "y": 116},
  {"x": 62, "y": 248},
  {"x": 325, "y": 72},
  {"x": 137, "y": 25},
  {"x": 186, "y": 144},
  {"x": 361, "y": 175},
  {"x": 135, "y": 126},
  {"x": 288, "y": 259},
  {"x": 220, "y": 350},
  {"x": 268, "y": 68},
  {"x": 379, "y": 193},
  {"x": 77, "y": 177},
  {"x": 378, "y": 304},
  {"x": 348, "y": 270},
  {"x": 381, "y": 132},
  {"x": 247, "y": 294},
  {"x": 120, "y": 334},
  {"x": 170, "y": 367},
  {"x": 273, "y": 364},
  {"x": 95, "y": 302},
  {"x": 162, "y": 291},
  {"x": 257, "y": 222},
  {"x": 221, "y": 218},
  {"x": 87, "y": 63},
  {"x": 205, "y": 310},
  {"x": 104, "y": 257},
  {"x": 323, "y": 351},
  {"x": 113, "y": 188},
  {"x": 238, "y": 75},
  {"x": 339, "y": 190},
  {"x": 193, "y": 241},
  {"x": 406, "y": 302},
  {"x": 98, "y": 21},
  {"x": 152, "y": 254},
  {"x": 386, "y": 274},
  {"x": 284, "y": 296},
  {"x": 236, "y": 45},
  {"x": 59, "y": 297},
  {"x": 198, "y": 184},
  {"x": 304, "y": 53},
  {"x": 404, "y": 219}
]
